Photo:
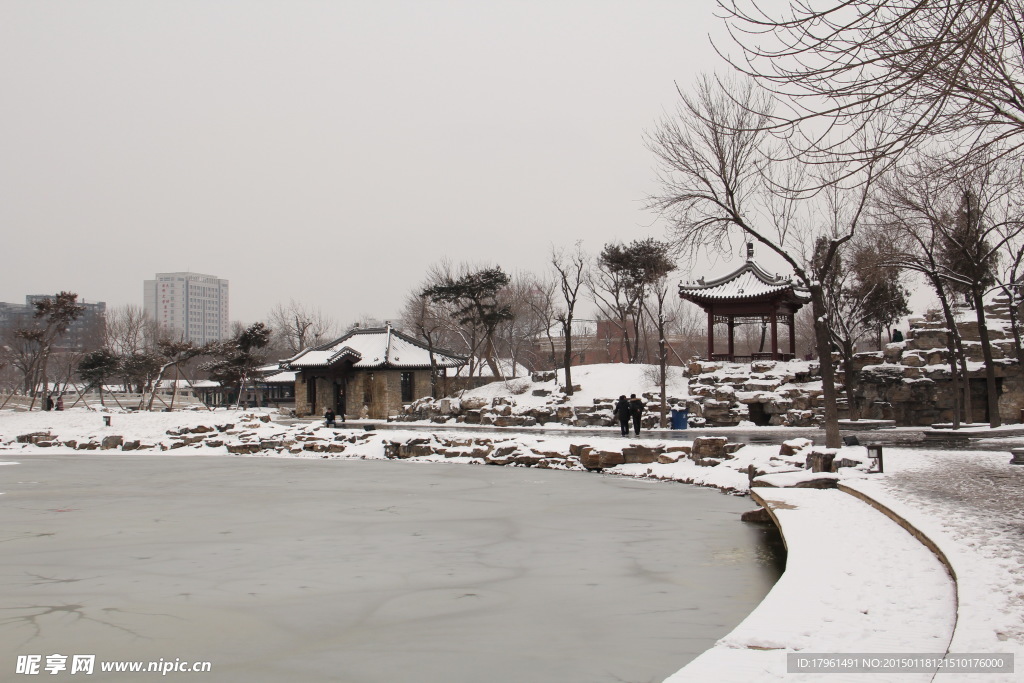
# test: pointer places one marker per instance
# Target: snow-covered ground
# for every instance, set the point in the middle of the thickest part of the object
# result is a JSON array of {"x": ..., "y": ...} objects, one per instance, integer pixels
[
  {"x": 607, "y": 380},
  {"x": 967, "y": 502}
]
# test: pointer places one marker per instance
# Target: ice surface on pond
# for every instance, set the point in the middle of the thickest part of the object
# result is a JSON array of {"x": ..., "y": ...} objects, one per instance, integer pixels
[{"x": 324, "y": 570}]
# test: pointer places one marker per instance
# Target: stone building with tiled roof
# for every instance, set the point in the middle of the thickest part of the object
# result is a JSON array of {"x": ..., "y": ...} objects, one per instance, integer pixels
[{"x": 368, "y": 372}]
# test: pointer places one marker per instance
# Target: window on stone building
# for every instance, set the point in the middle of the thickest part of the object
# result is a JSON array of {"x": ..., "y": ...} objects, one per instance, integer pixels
[{"x": 407, "y": 387}]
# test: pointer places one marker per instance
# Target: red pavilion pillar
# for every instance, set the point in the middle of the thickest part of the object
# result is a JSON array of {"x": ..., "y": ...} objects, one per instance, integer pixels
[
  {"x": 775, "y": 333},
  {"x": 711, "y": 333},
  {"x": 732, "y": 346},
  {"x": 792, "y": 335}
]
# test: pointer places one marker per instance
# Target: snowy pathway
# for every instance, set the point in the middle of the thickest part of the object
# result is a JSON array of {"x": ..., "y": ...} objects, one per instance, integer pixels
[
  {"x": 972, "y": 506},
  {"x": 855, "y": 582}
]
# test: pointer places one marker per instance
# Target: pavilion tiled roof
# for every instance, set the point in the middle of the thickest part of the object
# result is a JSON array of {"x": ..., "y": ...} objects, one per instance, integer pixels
[
  {"x": 373, "y": 348},
  {"x": 750, "y": 281}
]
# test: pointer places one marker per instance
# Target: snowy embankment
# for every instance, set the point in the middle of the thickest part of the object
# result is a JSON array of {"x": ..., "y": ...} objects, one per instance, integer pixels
[
  {"x": 714, "y": 462},
  {"x": 854, "y": 582}
]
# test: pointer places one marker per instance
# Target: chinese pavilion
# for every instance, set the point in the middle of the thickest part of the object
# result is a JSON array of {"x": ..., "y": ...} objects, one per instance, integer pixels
[{"x": 747, "y": 296}]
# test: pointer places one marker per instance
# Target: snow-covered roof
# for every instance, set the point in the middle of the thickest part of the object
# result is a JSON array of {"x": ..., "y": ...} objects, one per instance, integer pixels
[
  {"x": 280, "y": 376},
  {"x": 750, "y": 281},
  {"x": 373, "y": 348}
]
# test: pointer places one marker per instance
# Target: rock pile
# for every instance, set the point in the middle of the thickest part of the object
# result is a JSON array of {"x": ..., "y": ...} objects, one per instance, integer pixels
[
  {"x": 706, "y": 451},
  {"x": 253, "y": 434},
  {"x": 764, "y": 392},
  {"x": 910, "y": 381},
  {"x": 503, "y": 411}
]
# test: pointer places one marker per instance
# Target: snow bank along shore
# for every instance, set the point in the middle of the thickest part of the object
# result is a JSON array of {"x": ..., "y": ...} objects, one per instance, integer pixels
[{"x": 846, "y": 559}]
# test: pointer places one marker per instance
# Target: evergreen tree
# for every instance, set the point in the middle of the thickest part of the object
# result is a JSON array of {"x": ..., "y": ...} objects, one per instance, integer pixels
[{"x": 473, "y": 298}]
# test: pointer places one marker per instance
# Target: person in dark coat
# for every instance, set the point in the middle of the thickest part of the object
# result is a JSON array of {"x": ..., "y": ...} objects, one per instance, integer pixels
[
  {"x": 623, "y": 414},
  {"x": 329, "y": 417},
  {"x": 636, "y": 410}
]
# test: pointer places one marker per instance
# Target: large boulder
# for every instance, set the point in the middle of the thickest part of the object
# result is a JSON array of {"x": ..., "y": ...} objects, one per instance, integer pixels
[
  {"x": 640, "y": 454},
  {"x": 709, "y": 447}
]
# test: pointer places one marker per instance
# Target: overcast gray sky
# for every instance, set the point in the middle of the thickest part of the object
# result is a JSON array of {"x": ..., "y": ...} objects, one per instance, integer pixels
[{"x": 326, "y": 151}]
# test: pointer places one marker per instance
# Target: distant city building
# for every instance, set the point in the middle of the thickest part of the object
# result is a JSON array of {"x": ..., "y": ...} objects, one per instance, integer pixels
[
  {"x": 84, "y": 334},
  {"x": 188, "y": 305}
]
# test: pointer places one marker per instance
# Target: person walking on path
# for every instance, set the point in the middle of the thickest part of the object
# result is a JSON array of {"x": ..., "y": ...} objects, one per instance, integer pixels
[
  {"x": 636, "y": 410},
  {"x": 622, "y": 412}
]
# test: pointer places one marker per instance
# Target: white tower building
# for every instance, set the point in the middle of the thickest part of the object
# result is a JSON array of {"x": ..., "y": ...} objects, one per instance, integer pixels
[{"x": 188, "y": 305}]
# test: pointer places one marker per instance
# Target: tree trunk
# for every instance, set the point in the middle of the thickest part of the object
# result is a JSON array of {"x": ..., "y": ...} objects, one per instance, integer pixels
[
  {"x": 828, "y": 378},
  {"x": 994, "y": 420},
  {"x": 567, "y": 357},
  {"x": 1015, "y": 325},
  {"x": 663, "y": 367},
  {"x": 850, "y": 382},
  {"x": 955, "y": 348},
  {"x": 174, "y": 391},
  {"x": 492, "y": 357},
  {"x": 156, "y": 386}
]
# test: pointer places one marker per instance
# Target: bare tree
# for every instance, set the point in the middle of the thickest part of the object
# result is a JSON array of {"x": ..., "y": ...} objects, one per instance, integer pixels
[
  {"x": 128, "y": 330},
  {"x": 516, "y": 335},
  {"x": 907, "y": 212},
  {"x": 615, "y": 303},
  {"x": 950, "y": 223},
  {"x": 911, "y": 69},
  {"x": 297, "y": 327},
  {"x": 658, "y": 311},
  {"x": 34, "y": 341},
  {"x": 686, "y": 327},
  {"x": 854, "y": 296},
  {"x": 720, "y": 180},
  {"x": 570, "y": 275},
  {"x": 543, "y": 308},
  {"x": 428, "y": 322}
]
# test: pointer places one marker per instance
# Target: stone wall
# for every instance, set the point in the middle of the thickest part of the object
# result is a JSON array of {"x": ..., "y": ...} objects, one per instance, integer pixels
[
  {"x": 910, "y": 381},
  {"x": 504, "y": 411},
  {"x": 379, "y": 390}
]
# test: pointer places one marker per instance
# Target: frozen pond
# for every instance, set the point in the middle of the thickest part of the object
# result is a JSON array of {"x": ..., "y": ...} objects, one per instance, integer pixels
[{"x": 369, "y": 571}]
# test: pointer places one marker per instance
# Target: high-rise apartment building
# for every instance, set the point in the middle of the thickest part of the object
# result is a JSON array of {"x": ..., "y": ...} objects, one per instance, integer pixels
[
  {"x": 84, "y": 333},
  {"x": 188, "y": 305}
]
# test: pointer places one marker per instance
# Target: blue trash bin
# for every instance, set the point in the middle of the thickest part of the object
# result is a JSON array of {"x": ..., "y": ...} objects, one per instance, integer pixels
[{"x": 680, "y": 418}]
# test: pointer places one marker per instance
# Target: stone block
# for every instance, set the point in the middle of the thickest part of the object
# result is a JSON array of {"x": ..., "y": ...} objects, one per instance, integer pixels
[
  {"x": 820, "y": 461},
  {"x": 34, "y": 437},
  {"x": 760, "y": 515},
  {"x": 112, "y": 441},
  {"x": 794, "y": 446},
  {"x": 610, "y": 458},
  {"x": 589, "y": 458},
  {"x": 708, "y": 447},
  {"x": 634, "y": 454}
]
